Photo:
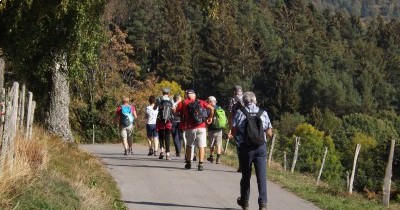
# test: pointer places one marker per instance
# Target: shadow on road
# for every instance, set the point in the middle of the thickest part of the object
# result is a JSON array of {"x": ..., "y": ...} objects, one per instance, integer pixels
[{"x": 174, "y": 204}]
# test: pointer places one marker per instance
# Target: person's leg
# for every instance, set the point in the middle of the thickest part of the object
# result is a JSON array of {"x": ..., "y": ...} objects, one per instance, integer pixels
[
  {"x": 218, "y": 140},
  {"x": 161, "y": 135},
  {"x": 130, "y": 131},
  {"x": 150, "y": 139},
  {"x": 167, "y": 133},
  {"x": 124, "y": 137},
  {"x": 175, "y": 136},
  {"x": 202, "y": 144},
  {"x": 260, "y": 168},
  {"x": 190, "y": 137},
  {"x": 210, "y": 138},
  {"x": 155, "y": 138},
  {"x": 245, "y": 164}
]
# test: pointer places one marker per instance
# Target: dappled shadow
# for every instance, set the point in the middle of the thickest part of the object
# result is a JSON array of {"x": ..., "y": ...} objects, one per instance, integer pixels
[
  {"x": 175, "y": 205},
  {"x": 146, "y": 166}
]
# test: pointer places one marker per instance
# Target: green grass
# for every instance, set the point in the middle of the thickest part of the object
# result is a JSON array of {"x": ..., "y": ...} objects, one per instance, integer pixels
[
  {"x": 72, "y": 179},
  {"x": 324, "y": 196}
]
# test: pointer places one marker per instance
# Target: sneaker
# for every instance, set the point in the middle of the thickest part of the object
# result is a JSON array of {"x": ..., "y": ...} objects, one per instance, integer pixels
[
  {"x": 161, "y": 156},
  {"x": 194, "y": 158},
  {"x": 150, "y": 152},
  {"x": 211, "y": 159},
  {"x": 188, "y": 165},
  {"x": 242, "y": 203},
  {"x": 155, "y": 153},
  {"x": 130, "y": 151},
  {"x": 125, "y": 152},
  {"x": 167, "y": 157},
  {"x": 200, "y": 167},
  {"x": 218, "y": 161}
]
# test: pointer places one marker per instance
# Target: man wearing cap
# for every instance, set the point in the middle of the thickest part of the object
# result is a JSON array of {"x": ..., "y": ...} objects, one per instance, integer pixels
[
  {"x": 163, "y": 123},
  {"x": 196, "y": 132}
]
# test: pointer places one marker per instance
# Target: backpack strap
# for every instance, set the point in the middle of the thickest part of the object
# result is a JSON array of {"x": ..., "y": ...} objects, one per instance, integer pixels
[
  {"x": 245, "y": 112},
  {"x": 260, "y": 112}
]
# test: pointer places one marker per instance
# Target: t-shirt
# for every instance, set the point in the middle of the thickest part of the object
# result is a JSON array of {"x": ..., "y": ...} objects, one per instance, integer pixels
[
  {"x": 188, "y": 120},
  {"x": 151, "y": 115}
]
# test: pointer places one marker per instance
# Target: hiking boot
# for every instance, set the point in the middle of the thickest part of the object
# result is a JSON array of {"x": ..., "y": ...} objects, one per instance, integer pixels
[
  {"x": 188, "y": 165},
  {"x": 263, "y": 206},
  {"x": 125, "y": 152},
  {"x": 161, "y": 156},
  {"x": 130, "y": 151},
  {"x": 211, "y": 159},
  {"x": 194, "y": 158},
  {"x": 155, "y": 153},
  {"x": 242, "y": 203},
  {"x": 150, "y": 152},
  {"x": 239, "y": 170},
  {"x": 200, "y": 167},
  {"x": 218, "y": 161},
  {"x": 167, "y": 157}
]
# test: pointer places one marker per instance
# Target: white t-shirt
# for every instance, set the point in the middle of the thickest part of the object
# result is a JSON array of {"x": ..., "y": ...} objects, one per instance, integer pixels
[{"x": 151, "y": 115}]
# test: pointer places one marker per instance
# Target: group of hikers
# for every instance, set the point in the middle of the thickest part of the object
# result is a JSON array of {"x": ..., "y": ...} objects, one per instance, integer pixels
[{"x": 195, "y": 121}]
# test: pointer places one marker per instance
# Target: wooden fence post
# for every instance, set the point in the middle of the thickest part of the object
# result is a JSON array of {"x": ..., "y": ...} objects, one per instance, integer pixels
[
  {"x": 284, "y": 160},
  {"x": 30, "y": 124},
  {"x": 22, "y": 108},
  {"x": 354, "y": 168},
  {"x": 271, "y": 150},
  {"x": 296, "y": 153},
  {"x": 29, "y": 114},
  {"x": 322, "y": 165},
  {"x": 387, "y": 181}
]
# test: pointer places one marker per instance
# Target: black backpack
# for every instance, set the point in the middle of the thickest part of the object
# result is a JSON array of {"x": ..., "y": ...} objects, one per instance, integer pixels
[
  {"x": 165, "y": 111},
  {"x": 196, "y": 112},
  {"x": 254, "y": 132}
]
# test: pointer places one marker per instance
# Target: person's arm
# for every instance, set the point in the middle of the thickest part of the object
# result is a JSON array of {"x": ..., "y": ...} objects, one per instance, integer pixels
[
  {"x": 134, "y": 111},
  {"x": 269, "y": 133},
  {"x": 211, "y": 108},
  {"x": 117, "y": 116}
]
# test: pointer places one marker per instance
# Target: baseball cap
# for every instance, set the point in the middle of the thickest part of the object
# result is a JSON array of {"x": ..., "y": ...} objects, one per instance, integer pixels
[
  {"x": 190, "y": 91},
  {"x": 212, "y": 98}
]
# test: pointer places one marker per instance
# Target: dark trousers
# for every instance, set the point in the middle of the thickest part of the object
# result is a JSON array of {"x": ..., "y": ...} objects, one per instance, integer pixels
[
  {"x": 177, "y": 136},
  {"x": 164, "y": 136},
  {"x": 257, "y": 156}
]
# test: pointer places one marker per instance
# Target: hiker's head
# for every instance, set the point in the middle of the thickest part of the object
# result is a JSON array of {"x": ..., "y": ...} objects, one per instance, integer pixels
[
  {"x": 212, "y": 100},
  {"x": 125, "y": 99},
  {"x": 249, "y": 98},
  {"x": 191, "y": 94},
  {"x": 177, "y": 98},
  {"x": 238, "y": 90},
  {"x": 152, "y": 99},
  {"x": 166, "y": 91}
]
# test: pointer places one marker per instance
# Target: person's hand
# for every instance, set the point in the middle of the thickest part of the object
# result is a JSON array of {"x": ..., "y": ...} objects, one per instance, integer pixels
[
  {"x": 209, "y": 120},
  {"x": 230, "y": 136}
]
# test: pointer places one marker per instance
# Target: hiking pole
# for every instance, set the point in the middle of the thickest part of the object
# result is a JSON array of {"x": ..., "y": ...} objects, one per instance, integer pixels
[{"x": 226, "y": 146}]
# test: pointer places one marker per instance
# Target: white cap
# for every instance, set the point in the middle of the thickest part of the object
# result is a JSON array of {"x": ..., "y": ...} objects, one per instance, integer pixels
[{"x": 212, "y": 98}]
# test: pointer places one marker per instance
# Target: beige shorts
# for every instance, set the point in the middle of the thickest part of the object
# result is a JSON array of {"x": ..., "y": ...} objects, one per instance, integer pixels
[
  {"x": 197, "y": 136},
  {"x": 215, "y": 138},
  {"x": 127, "y": 133}
]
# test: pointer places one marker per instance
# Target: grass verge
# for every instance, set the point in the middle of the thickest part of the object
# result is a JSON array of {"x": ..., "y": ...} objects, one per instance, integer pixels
[
  {"x": 64, "y": 178},
  {"x": 305, "y": 187}
]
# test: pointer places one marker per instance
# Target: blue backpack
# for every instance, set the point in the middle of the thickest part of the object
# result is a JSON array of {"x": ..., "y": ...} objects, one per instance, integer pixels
[{"x": 127, "y": 118}]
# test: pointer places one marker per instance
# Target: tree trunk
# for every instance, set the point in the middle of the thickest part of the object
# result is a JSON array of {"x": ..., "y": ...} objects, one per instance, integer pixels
[
  {"x": 296, "y": 153},
  {"x": 388, "y": 176},
  {"x": 271, "y": 151},
  {"x": 58, "y": 116},
  {"x": 322, "y": 165},
  {"x": 2, "y": 69}
]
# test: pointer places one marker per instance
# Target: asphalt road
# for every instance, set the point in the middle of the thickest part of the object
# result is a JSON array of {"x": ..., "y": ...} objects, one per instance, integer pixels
[{"x": 147, "y": 183}]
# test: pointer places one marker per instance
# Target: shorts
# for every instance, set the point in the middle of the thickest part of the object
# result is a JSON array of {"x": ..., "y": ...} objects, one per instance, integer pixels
[
  {"x": 151, "y": 131},
  {"x": 127, "y": 133},
  {"x": 197, "y": 135},
  {"x": 215, "y": 138}
]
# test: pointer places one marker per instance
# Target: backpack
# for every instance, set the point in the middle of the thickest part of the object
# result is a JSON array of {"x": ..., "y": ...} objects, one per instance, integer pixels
[
  {"x": 254, "y": 132},
  {"x": 220, "y": 121},
  {"x": 196, "y": 112},
  {"x": 165, "y": 110},
  {"x": 126, "y": 115}
]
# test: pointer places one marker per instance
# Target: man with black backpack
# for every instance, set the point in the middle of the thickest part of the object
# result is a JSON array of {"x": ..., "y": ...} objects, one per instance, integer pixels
[
  {"x": 163, "y": 123},
  {"x": 196, "y": 119},
  {"x": 250, "y": 125},
  {"x": 125, "y": 116}
]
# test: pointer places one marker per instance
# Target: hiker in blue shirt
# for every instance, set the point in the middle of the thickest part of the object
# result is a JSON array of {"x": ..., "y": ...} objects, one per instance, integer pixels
[{"x": 251, "y": 153}]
